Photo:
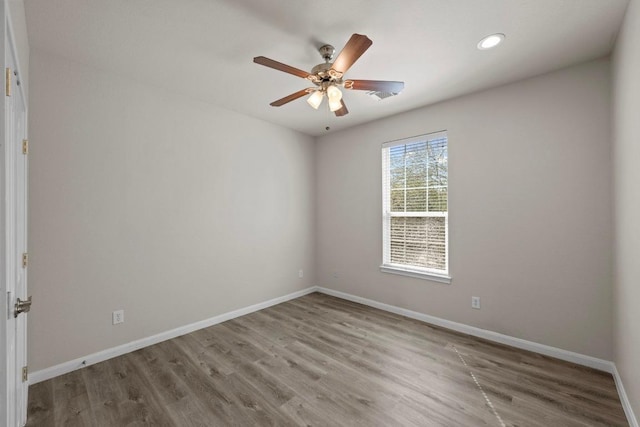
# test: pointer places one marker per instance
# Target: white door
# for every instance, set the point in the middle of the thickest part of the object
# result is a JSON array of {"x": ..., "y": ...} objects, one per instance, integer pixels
[
  {"x": 21, "y": 150},
  {"x": 15, "y": 251}
]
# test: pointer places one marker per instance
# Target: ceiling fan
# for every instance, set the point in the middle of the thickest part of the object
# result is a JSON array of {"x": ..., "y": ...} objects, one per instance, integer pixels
[{"x": 328, "y": 77}]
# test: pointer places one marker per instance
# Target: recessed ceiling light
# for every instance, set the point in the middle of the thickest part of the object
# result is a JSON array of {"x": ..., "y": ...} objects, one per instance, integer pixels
[{"x": 490, "y": 41}]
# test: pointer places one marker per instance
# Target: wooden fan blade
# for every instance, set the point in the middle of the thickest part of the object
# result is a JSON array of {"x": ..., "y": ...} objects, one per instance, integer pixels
[
  {"x": 375, "y": 85},
  {"x": 342, "y": 111},
  {"x": 281, "y": 67},
  {"x": 289, "y": 98},
  {"x": 355, "y": 47}
]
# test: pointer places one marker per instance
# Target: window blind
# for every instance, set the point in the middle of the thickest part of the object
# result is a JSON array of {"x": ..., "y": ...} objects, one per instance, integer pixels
[{"x": 415, "y": 203}]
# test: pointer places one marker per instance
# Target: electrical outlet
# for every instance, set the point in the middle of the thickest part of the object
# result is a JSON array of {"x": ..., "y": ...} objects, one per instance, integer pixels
[
  {"x": 300, "y": 273},
  {"x": 475, "y": 303},
  {"x": 118, "y": 317}
]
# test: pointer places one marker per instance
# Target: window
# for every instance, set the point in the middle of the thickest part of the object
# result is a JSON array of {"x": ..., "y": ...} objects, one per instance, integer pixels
[{"x": 415, "y": 207}]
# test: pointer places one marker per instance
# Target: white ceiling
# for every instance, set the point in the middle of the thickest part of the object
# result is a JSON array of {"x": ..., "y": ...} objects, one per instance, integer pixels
[{"x": 204, "y": 48}]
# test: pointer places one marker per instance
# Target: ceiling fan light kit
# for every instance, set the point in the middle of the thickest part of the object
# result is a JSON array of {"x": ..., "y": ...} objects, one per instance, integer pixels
[
  {"x": 334, "y": 105},
  {"x": 328, "y": 77},
  {"x": 333, "y": 93},
  {"x": 315, "y": 99}
]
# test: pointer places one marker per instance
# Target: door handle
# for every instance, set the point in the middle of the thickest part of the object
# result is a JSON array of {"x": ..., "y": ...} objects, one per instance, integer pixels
[{"x": 22, "y": 306}]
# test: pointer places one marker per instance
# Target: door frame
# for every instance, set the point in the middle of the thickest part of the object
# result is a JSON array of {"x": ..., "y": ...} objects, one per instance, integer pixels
[{"x": 12, "y": 406}]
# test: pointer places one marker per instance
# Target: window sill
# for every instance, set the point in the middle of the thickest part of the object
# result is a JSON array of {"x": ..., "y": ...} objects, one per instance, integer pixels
[{"x": 418, "y": 274}]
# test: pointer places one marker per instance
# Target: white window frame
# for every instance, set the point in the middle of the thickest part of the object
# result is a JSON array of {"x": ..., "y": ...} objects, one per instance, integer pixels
[{"x": 402, "y": 269}]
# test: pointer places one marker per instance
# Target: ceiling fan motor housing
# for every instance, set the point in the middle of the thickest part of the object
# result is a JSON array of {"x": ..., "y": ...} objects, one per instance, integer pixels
[{"x": 324, "y": 73}]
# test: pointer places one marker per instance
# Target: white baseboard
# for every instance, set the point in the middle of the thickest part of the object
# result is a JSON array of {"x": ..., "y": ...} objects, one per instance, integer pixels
[
  {"x": 626, "y": 404},
  {"x": 72, "y": 365},
  {"x": 558, "y": 353}
]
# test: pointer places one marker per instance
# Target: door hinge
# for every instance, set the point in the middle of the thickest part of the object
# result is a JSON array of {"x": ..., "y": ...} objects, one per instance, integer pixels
[
  {"x": 25, "y": 260},
  {"x": 25, "y": 374},
  {"x": 7, "y": 82},
  {"x": 25, "y": 146}
]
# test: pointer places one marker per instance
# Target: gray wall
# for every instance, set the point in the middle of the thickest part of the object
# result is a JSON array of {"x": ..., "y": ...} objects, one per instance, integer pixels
[
  {"x": 530, "y": 210},
  {"x": 168, "y": 208},
  {"x": 626, "y": 131}
]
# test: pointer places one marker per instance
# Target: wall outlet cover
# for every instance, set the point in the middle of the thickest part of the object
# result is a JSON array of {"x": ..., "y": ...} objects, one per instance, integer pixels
[{"x": 118, "y": 317}]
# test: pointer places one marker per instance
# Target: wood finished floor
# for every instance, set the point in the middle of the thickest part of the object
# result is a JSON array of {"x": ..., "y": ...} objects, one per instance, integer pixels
[{"x": 323, "y": 361}]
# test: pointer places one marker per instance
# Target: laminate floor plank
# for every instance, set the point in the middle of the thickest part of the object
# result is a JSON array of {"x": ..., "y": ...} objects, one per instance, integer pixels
[
  {"x": 203, "y": 356},
  {"x": 266, "y": 327},
  {"x": 259, "y": 409},
  {"x": 139, "y": 403},
  {"x": 186, "y": 382},
  {"x": 293, "y": 371},
  {"x": 369, "y": 364},
  {"x": 303, "y": 413},
  {"x": 40, "y": 406},
  {"x": 71, "y": 401},
  {"x": 441, "y": 413},
  {"x": 103, "y": 398},
  {"x": 322, "y": 361},
  {"x": 434, "y": 390}
]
